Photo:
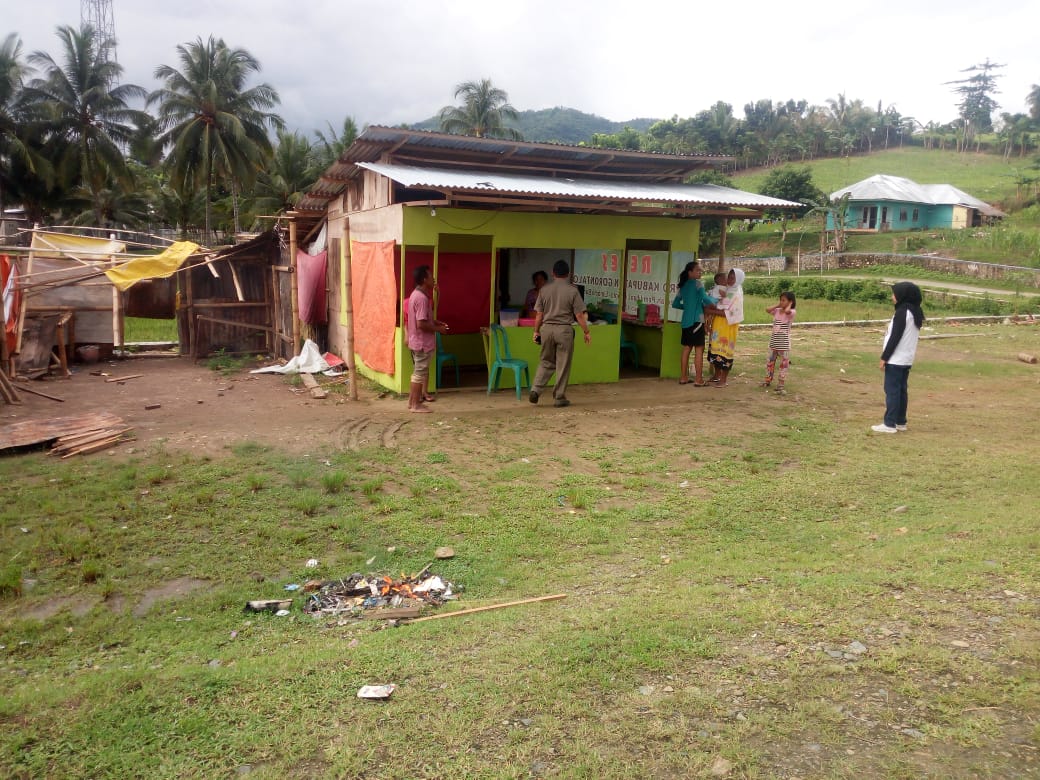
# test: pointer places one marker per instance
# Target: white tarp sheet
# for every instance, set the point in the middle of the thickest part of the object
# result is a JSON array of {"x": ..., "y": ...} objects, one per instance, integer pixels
[{"x": 309, "y": 361}]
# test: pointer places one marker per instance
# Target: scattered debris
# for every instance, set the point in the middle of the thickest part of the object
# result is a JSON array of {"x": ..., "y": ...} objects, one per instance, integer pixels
[
  {"x": 1025, "y": 357},
  {"x": 376, "y": 691},
  {"x": 34, "y": 391},
  {"x": 312, "y": 385},
  {"x": 122, "y": 379},
  {"x": 149, "y": 407},
  {"x": 376, "y": 597},
  {"x": 443, "y": 553},
  {"x": 267, "y": 605}
]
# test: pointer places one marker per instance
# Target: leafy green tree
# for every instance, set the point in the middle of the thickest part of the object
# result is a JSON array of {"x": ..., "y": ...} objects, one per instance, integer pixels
[
  {"x": 215, "y": 126},
  {"x": 1016, "y": 130},
  {"x": 791, "y": 183},
  {"x": 85, "y": 113},
  {"x": 484, "y": 112},
  {"x": 623, "y": 139},
  {"x": 795, "y": 183},
  {"x": 1033, "y": 99}
]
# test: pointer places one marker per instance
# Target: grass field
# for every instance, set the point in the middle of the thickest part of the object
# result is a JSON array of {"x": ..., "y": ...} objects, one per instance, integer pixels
[
  {"x": 1015, "y": 241},
  {"x": 756, "y": 587},
  {"x": 142, "y": 329}
]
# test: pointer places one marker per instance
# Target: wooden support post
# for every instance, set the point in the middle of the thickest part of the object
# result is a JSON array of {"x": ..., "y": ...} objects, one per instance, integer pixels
[
  {"x": 190, "y": 324},
  {"x": 7, "y": 390},
  {"x": 722, "y": 245},
  {"x": 62, "y": 338},
  {"x": 24, "y": 302},
  {"x": 348, "y": 302},
  {"x": 117, "y": 319},
  {"x": 276, "y": 304},
  {"x": 295, "y": 285}
]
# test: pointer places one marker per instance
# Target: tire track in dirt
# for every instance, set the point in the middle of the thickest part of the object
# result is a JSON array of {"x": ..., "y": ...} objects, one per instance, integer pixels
[{"x": 365, "y": 431}]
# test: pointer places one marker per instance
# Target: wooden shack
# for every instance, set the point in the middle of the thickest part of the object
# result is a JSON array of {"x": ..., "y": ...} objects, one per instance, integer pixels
[{"x": 237, "y": 300}]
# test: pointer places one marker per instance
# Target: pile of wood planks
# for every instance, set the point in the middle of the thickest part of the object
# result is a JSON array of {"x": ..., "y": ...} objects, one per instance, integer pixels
[
  {"x": 76, "y": 435},
  {"x": 90, "y": 441}
]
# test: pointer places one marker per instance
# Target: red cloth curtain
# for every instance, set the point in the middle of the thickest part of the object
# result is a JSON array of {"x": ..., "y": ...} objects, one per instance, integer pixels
[
  {"x": 463, "y": 287},
  {"x": 374, "y": 285},
  {"x": 314, "y": 309}
]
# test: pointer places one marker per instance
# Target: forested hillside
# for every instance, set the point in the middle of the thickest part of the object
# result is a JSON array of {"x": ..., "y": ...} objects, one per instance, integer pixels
[{"x": 560, "y": 125}]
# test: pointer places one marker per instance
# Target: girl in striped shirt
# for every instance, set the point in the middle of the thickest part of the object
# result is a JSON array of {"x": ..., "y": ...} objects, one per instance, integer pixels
[{"x": 780, "y": 340}]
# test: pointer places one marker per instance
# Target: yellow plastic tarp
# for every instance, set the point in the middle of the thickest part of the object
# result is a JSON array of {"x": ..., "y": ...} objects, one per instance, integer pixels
[{"x": 152, "y": 267}]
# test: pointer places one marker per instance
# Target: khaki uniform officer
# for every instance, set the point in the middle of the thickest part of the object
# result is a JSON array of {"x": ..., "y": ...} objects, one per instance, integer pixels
[{"x": 559, "y": 305}]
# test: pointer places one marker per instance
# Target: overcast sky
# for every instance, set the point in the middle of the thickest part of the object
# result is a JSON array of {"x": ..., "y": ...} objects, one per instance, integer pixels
[{"x": 389, "y": 61}]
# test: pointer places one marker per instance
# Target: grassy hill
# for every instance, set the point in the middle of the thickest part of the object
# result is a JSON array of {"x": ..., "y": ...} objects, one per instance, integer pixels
[{"x": 986, "y": 176}]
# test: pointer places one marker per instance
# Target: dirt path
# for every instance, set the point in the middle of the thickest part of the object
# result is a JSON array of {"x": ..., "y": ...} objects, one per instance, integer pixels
[
  {"x": 933, "y": 284},
  {"x": 202, "y": 411}
]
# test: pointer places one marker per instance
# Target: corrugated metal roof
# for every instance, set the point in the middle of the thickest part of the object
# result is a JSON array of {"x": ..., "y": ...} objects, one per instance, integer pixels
[
  {"x": 884, "y": 187},
  {"x": 575, "y": 188},
  {"x": 379, "y": 138},
  {"x": 402, "y": 146}
]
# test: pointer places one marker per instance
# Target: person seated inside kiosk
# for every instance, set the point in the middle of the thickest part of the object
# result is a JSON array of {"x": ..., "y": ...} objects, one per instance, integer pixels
[{"x": 539, "y": 278}]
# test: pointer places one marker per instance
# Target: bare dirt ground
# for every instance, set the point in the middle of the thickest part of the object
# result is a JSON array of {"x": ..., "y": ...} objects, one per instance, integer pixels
[{"x": 199, "y": 410}]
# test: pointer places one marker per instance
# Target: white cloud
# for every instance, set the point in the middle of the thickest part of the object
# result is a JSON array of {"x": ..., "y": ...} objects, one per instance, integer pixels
[{"x": 398, "y": 61}]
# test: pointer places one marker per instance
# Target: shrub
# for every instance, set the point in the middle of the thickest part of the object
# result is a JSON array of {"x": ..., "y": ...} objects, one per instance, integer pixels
[{"x": 10, "y": 581}]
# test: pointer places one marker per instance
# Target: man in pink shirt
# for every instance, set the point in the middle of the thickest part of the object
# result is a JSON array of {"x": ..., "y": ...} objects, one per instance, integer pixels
[{"x": 421, "y": 330}]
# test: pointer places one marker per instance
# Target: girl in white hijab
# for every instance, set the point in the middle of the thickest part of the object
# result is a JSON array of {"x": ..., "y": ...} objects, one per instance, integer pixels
[{"x": 723, "y": 344}]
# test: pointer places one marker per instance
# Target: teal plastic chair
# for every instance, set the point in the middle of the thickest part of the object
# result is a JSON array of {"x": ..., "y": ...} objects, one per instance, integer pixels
[
  {"x": 446, "y": 357},
  {"x": 629, "y": 346},
  {"x": 502, "y": 359}
]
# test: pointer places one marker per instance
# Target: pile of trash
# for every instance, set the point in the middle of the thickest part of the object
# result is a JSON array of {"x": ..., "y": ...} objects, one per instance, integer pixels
[{"x": 376, "y": 596}]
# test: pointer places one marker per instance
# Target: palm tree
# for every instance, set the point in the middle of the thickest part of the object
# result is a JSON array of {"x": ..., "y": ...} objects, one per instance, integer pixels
[
  {"x": 13, "y": 144},
  {"x": 291, "y": 170},
  {"x": 214, "y": 124},
  {"x": 85, "y": 112},
  {"x": 331, "y": 146},
  {"x": 483, "y": 113}
]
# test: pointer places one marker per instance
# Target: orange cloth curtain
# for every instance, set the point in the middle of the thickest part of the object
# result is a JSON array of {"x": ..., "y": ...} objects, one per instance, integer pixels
[{"x": 374, "y": 297}]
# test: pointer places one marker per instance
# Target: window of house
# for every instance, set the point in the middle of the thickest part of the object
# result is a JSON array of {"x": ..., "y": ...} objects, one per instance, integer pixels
[
  {"x": 902, "y": 215},
  {"x": 916, "y": 214}
]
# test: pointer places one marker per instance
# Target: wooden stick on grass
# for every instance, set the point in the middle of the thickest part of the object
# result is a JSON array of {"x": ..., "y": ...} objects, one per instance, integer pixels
[{"x": 492, "y": 606}]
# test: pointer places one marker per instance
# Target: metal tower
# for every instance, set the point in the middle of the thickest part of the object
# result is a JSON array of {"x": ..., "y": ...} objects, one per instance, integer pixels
[{"x": 98, "y": 14}]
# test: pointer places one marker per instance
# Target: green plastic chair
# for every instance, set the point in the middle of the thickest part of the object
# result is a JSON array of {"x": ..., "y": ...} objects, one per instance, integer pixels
[
  {"x": 501, "y": 358},
  {"x": 446, "y": 357},
  {"x": 630, "y": 346}
]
